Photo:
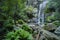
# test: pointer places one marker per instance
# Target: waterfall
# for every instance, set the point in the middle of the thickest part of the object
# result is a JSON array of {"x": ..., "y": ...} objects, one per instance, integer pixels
[{"x": 41, "y": 12}]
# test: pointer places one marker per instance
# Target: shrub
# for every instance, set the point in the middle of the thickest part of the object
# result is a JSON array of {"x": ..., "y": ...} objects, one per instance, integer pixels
[
  {"x": 29, "y": 11},
  {"x": 57, "y": 23},
  {"x": 20, "y": 21},
  {"x": 27, "y": 28},
  {"x": 19, "y": 35},
  {"x": 8, "y": 24},
  {"x": 50, "y": 19}
]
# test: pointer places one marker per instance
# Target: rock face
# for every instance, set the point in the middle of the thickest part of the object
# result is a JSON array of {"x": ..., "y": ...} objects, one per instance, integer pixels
[
  {"x": 48, "y": 36},
  {"x": 57, "y": 31}
]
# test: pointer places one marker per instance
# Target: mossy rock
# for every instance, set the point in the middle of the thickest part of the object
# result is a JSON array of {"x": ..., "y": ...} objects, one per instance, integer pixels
[{"x": 50, "y": 26}]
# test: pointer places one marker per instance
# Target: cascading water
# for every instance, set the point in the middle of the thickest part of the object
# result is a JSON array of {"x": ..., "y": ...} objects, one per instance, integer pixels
[{"x": 41, "y": 12}]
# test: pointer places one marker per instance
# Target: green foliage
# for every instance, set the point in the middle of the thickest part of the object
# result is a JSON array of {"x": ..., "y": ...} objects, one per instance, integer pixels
[
  {"x": 29, "y": 11},
  {"x": 10, "y": 7},
  {"x": 20, "y": 22},
  {"x": 57, "y": 23},
  {"x": 8, "y": 24},
  {"x": 10, "y": 12},
  {"x": 50, "y": 19},
  {"x": 57, "y": 16},
  {"x": 53, "y": 19},
  {"x": 19, "y": 35},
  {"x": 47, "y": 10},
  {"x": 27, "y": 28}
]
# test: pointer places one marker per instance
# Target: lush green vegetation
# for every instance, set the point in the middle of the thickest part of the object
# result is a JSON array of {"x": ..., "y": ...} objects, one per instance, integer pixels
[
  {"x": 13, "y": 12},
  {"x": 14, "y": 16},
  {"x": 53, "y": 8},
  {"x": 19, "y": 35}
]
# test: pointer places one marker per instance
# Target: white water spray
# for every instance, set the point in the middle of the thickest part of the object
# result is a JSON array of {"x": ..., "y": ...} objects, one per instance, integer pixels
[{"x": 41, "y": 12}]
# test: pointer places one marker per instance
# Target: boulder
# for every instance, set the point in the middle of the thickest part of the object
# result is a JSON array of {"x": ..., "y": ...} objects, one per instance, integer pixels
[
  {"x": 57, "y": 31},
  {"x": 46, "y": 35},
  {"x": 50, "y": 26}
]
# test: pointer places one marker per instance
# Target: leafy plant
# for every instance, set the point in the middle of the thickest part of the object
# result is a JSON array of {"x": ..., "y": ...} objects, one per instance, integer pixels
[
  {"x": 20, "y": 22},
  {"x": 57, "y": 23},
  {"x": 50, "y": 19},
  {"x": 27, "y": 28},
  {"x": 8, "y": 24},
  {"x": 19, "y": 35},
  {"x": 29, "y": 11}
]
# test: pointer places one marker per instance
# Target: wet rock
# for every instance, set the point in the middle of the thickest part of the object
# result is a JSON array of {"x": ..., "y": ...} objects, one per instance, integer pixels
[
  {"x": 48, "y": 36},
  {"x": 57, "y": 31}
]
